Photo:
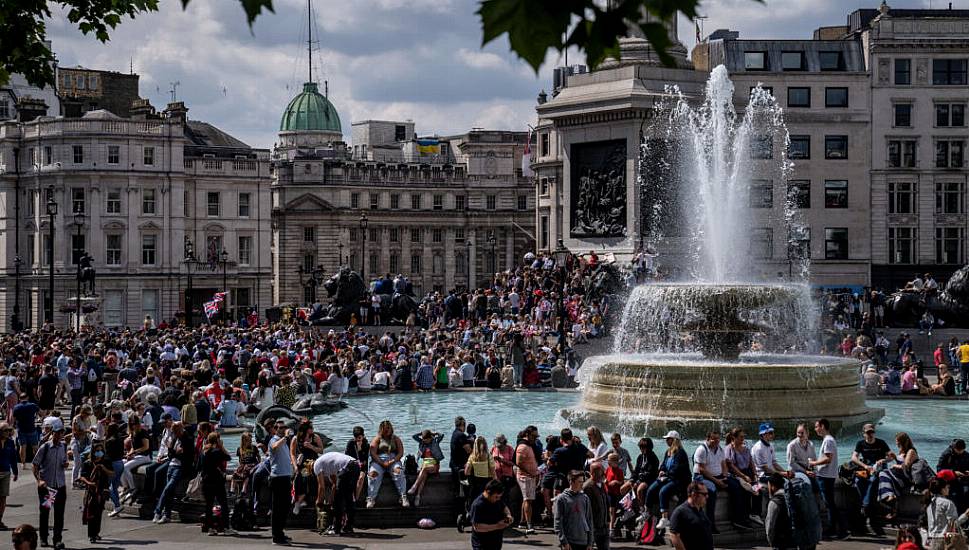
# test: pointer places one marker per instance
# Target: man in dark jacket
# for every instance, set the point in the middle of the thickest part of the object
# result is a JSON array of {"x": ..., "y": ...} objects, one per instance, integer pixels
[
  {"x": 778, "y": 523},
  {"x": 594, "y": 488},
  {"x": 956, "y": 458}
]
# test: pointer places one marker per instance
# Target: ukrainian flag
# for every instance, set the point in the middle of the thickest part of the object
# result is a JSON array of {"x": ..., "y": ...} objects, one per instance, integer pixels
[{"x": 428, "y": 147}]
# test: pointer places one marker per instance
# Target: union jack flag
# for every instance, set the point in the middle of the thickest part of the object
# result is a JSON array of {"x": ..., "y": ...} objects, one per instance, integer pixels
[
  {"x": 50, "y": 498},
  {"x": 212, "y": 308}
]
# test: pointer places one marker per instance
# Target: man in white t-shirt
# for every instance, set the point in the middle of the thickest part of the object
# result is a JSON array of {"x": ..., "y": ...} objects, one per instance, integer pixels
[
  {"x": 710, "y": 468},
  {"x": 826, "y": 467},
  {"x": 763, "y": 456}
]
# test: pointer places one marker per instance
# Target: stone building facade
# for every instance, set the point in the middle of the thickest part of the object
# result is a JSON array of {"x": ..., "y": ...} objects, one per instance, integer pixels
[{"x": 129, "y": 191}]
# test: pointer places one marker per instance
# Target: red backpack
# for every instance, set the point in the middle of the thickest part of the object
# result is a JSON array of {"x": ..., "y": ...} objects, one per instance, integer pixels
[{"x": 647, "y": 535}]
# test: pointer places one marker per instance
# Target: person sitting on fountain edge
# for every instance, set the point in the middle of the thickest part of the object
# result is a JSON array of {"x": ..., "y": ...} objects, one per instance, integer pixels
[
  {"x": 763, "y": 455},
  {"x": 710, "y": 469},
  {"x": 869, "y": 456}
]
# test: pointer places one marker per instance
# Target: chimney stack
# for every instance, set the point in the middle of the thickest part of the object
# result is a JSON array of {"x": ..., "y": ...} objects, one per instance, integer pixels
[
  {"x": 176, "y": 110},
  {"x": 141, "y": 109},
  {"x": 30, "y": 108}
]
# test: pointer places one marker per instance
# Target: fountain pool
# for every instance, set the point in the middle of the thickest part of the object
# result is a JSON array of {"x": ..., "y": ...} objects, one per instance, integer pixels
[{"x": 930, "y": 423}]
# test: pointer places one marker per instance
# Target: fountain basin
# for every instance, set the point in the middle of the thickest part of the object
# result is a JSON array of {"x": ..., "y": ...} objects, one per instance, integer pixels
[{"x": 653, "y": 393}]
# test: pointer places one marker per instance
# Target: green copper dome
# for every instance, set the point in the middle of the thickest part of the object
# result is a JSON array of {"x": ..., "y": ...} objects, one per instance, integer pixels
[{"x": 310, "y": 112}]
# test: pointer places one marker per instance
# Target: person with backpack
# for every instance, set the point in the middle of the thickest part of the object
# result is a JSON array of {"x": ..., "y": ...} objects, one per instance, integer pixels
[
  {"x": 801, "y": 531},
  {"x": 940, "y": 513}
]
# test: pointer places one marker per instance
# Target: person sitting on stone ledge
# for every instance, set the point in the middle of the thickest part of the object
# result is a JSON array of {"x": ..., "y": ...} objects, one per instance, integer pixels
[
  {"x": 429, "y": 459},
  {"x": 673, "y": 478}
]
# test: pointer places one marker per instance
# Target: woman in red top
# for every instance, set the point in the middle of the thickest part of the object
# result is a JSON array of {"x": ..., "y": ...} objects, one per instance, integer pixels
[{"x": 615, "y": 479}]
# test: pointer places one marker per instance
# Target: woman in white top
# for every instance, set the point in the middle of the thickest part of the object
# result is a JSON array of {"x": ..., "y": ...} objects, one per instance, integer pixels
[
  {"x": 939, "y": 511},
  {"x": 264, "y": 396},
  {"x": 597, "y": 446}
]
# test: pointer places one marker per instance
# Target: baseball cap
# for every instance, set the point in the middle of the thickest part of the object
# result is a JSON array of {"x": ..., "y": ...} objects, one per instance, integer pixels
[
  {"x": 948, "y": 475},
  {"x": 765, "y": 428},
  {"x": 868, "y": 428},
  {"x": 54, "y": 424},
  {"x": 672, "y": 434}
]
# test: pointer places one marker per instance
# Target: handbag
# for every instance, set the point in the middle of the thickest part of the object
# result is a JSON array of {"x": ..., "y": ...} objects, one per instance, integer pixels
[
  {"x": 954, "y": 539},
  {"x": 194, "y": 491}
]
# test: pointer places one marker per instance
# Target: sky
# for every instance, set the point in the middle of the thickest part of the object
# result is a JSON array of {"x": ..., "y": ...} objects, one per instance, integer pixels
[{"x": 417, "y": 60}]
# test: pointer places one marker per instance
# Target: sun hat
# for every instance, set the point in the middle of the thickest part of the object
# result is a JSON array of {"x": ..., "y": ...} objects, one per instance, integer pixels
[
  {"x": 672, "y": 434},
  {"x": 765, "y": 428}
]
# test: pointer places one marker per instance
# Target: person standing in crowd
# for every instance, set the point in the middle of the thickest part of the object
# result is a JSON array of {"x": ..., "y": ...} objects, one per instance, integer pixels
[
  {"x": 25, "y": 421},
  {"x": 49, "y": 464},
  {"x": 212, "y": 469},
  {"x": 489, "y": 518},
  {"x": 826, "y": 467},
  {"x": 8, "y": 467},
  {"x": 573, "y": 515},
  {"x": 280, "y": 480},
  {"x": 940, "y": 514},
  {"x": 181, "y": 451},
  {"x": 460, "y": 451},
  {"x": 339, "y": 472},
  {"x": 96, "y": 477},
  {"x": 690, "y": 527},
  {"x": 801, "y": 452},
  {"x": 527, "y": 475},
  {"x": 595, "y": 489}
]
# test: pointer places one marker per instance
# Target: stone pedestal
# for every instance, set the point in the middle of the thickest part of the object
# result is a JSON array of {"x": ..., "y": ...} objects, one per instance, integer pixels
[{"x": 90, "y": 311}]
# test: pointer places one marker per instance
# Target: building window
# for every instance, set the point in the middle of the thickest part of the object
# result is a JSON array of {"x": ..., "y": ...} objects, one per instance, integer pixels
[
  {"x": 949, "y": 72},
  {"x": 761, "y": 194},
  {"x": 903, "y": 72},
  {"x": 438, "y": 202},
  {"x": 491, "y": 202},
  {"x": 245, "y": 250},
  {"x": 354, "y": 200},
  {"x": 78, "y": 151},
  {"x": 48, "y": 155},
  {"x": 903, "y": 115},
  {"x": 902, "y": 245},
  {"x": 762, "y": 147},
  {"x": 114, "y": 201},
  {"x": 148, "y": 201},
  {"x": 415, "y": 264},
  {"x": 244, "y": 205},
  {"x": 543, "y": 144},
  {"x": 114, "y": 154},
  {"x": 45, "y": 252},
  {"x": 949, "y": 153},
  {"x": 950, "y": 114},
  {"x": 112, "y": 250},
  {"x": 394, "y": 262},
  {"x": 950, "y": 197},
  {"x": 799, "y": 97},
  {"x": 544, "y": 229},
  {"x": 353, "y": 234},
  {"x": 949, "y": 245},
  {"x": 459, "y": 202},
  {"x": 373, "y": 234},
  {"x": 836, "y": 147},
  {"x": 836, "y": 193},
  {"x": 523, "y": 202},
  {"x": 437, "y": 235},
  {"x": 148, "y": 246},
  {"x": 77, "y": 200},
  {"x": 394, "y": 235},
  {"x": 459, "y": 235},
  {"x": 835, "y": 243},
  {"x": 792, "y": 61},
  {"x": 799, "y": 147},
  {"x": 901, "y": 153},
  {"x": 400, "y": 132},
  {"x": 799, "y": 193},
  {"x": 374, "y": 262},
  {"x": 394, "y": 201},
  {"x": 832, "y": 61},
  {"x": 213, "y": 204},
  {"x": 309, "y": 234},
  {"x": 437, "y": 264},
  {"x": 461, "y": 265},
  {"x": 4, "y": 109},
  {"x": 77, "y": 247},
  {"x": 149, "y": 304},
  {"x": 799, "y": 242},
  {"x": 902, "y": 197},
  {"x": 374, "y": 201},
  {"x": 836, "y": 97},
  {"x": 415, "y": 202},
  {"x": 543, "y": 187},
  {"x": 415, "y": 235},
  {"x": 755, "y": 61},
  {"x": 149, "y": 156},
  {"x": 762, "y": 243},
  {"x": 309, "y": 262}
]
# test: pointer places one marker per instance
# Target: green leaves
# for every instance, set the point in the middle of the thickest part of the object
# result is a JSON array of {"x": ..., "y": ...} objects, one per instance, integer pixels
[{"x": 535, "y": 26}]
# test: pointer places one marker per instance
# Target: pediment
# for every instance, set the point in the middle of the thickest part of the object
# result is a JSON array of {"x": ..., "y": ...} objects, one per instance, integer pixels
[
  {"x": 114, "y": 225},
  {"x": 149, "y": 226},
  {"x": 308, "y": 202},
  {"x": 214, "y": 228}
]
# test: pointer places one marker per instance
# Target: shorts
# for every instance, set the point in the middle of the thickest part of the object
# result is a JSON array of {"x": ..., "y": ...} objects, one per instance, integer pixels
[
  {"x": 5, "y": 484},
  {"x": 553, "y": 481},
  {"x": 528, "y": 486},
  {"x": 32, "y": 438}
]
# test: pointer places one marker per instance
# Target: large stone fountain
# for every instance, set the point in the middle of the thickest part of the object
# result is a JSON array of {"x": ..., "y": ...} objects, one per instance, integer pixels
[{"x": 711, "y": 352}]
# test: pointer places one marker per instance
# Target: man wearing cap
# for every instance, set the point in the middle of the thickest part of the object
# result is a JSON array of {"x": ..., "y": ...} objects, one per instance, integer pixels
[
  {"x": 763, "y": 456},
  {"x": 869, "y": 455},
  {"x": 49, "y": 464}
]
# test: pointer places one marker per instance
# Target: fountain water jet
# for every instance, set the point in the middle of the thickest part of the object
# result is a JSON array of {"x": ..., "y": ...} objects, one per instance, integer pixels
[{"x": 679, "y": 361}]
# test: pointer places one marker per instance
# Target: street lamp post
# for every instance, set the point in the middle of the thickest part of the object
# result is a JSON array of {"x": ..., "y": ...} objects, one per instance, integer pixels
[
  {"x": 224, "y": 256},
  {"x": 51, "y": 213},
  {"x": 189, "y": 260},
  {"x": 562, "y": 256},
  {"x": 16, "y": 323},
  {"x": 363, "y": 262},
  {"x": 492, "y": 240},
  {"x": 468, "y": 257},
  {"x": 78, "y": 223}
]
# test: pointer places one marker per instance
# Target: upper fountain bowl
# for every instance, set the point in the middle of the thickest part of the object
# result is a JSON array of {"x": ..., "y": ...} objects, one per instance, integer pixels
[{"x": 715, "y": 319}]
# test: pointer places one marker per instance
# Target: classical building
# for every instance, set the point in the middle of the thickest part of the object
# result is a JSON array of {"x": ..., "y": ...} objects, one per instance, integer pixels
[
  {"x": 131, "y": 192},
  {"x": 393, "y": 202},
  {"x": 81, "y": 90},
  {"x": 876, "y": 114}
]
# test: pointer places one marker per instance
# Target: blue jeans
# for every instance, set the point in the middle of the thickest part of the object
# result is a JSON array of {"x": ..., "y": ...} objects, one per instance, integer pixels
[
  {"x": 837, "y": 523},
  {"x": 663, "y": 491},
  {"x": 164, "y": 505},
  {"x": 376, "y": 476},
  {"x": 868, "y": 489},
  {"x": 963, "y": 377},
  {"x": 118, "y": 467},
  {"x": 711, "y": 497}
]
